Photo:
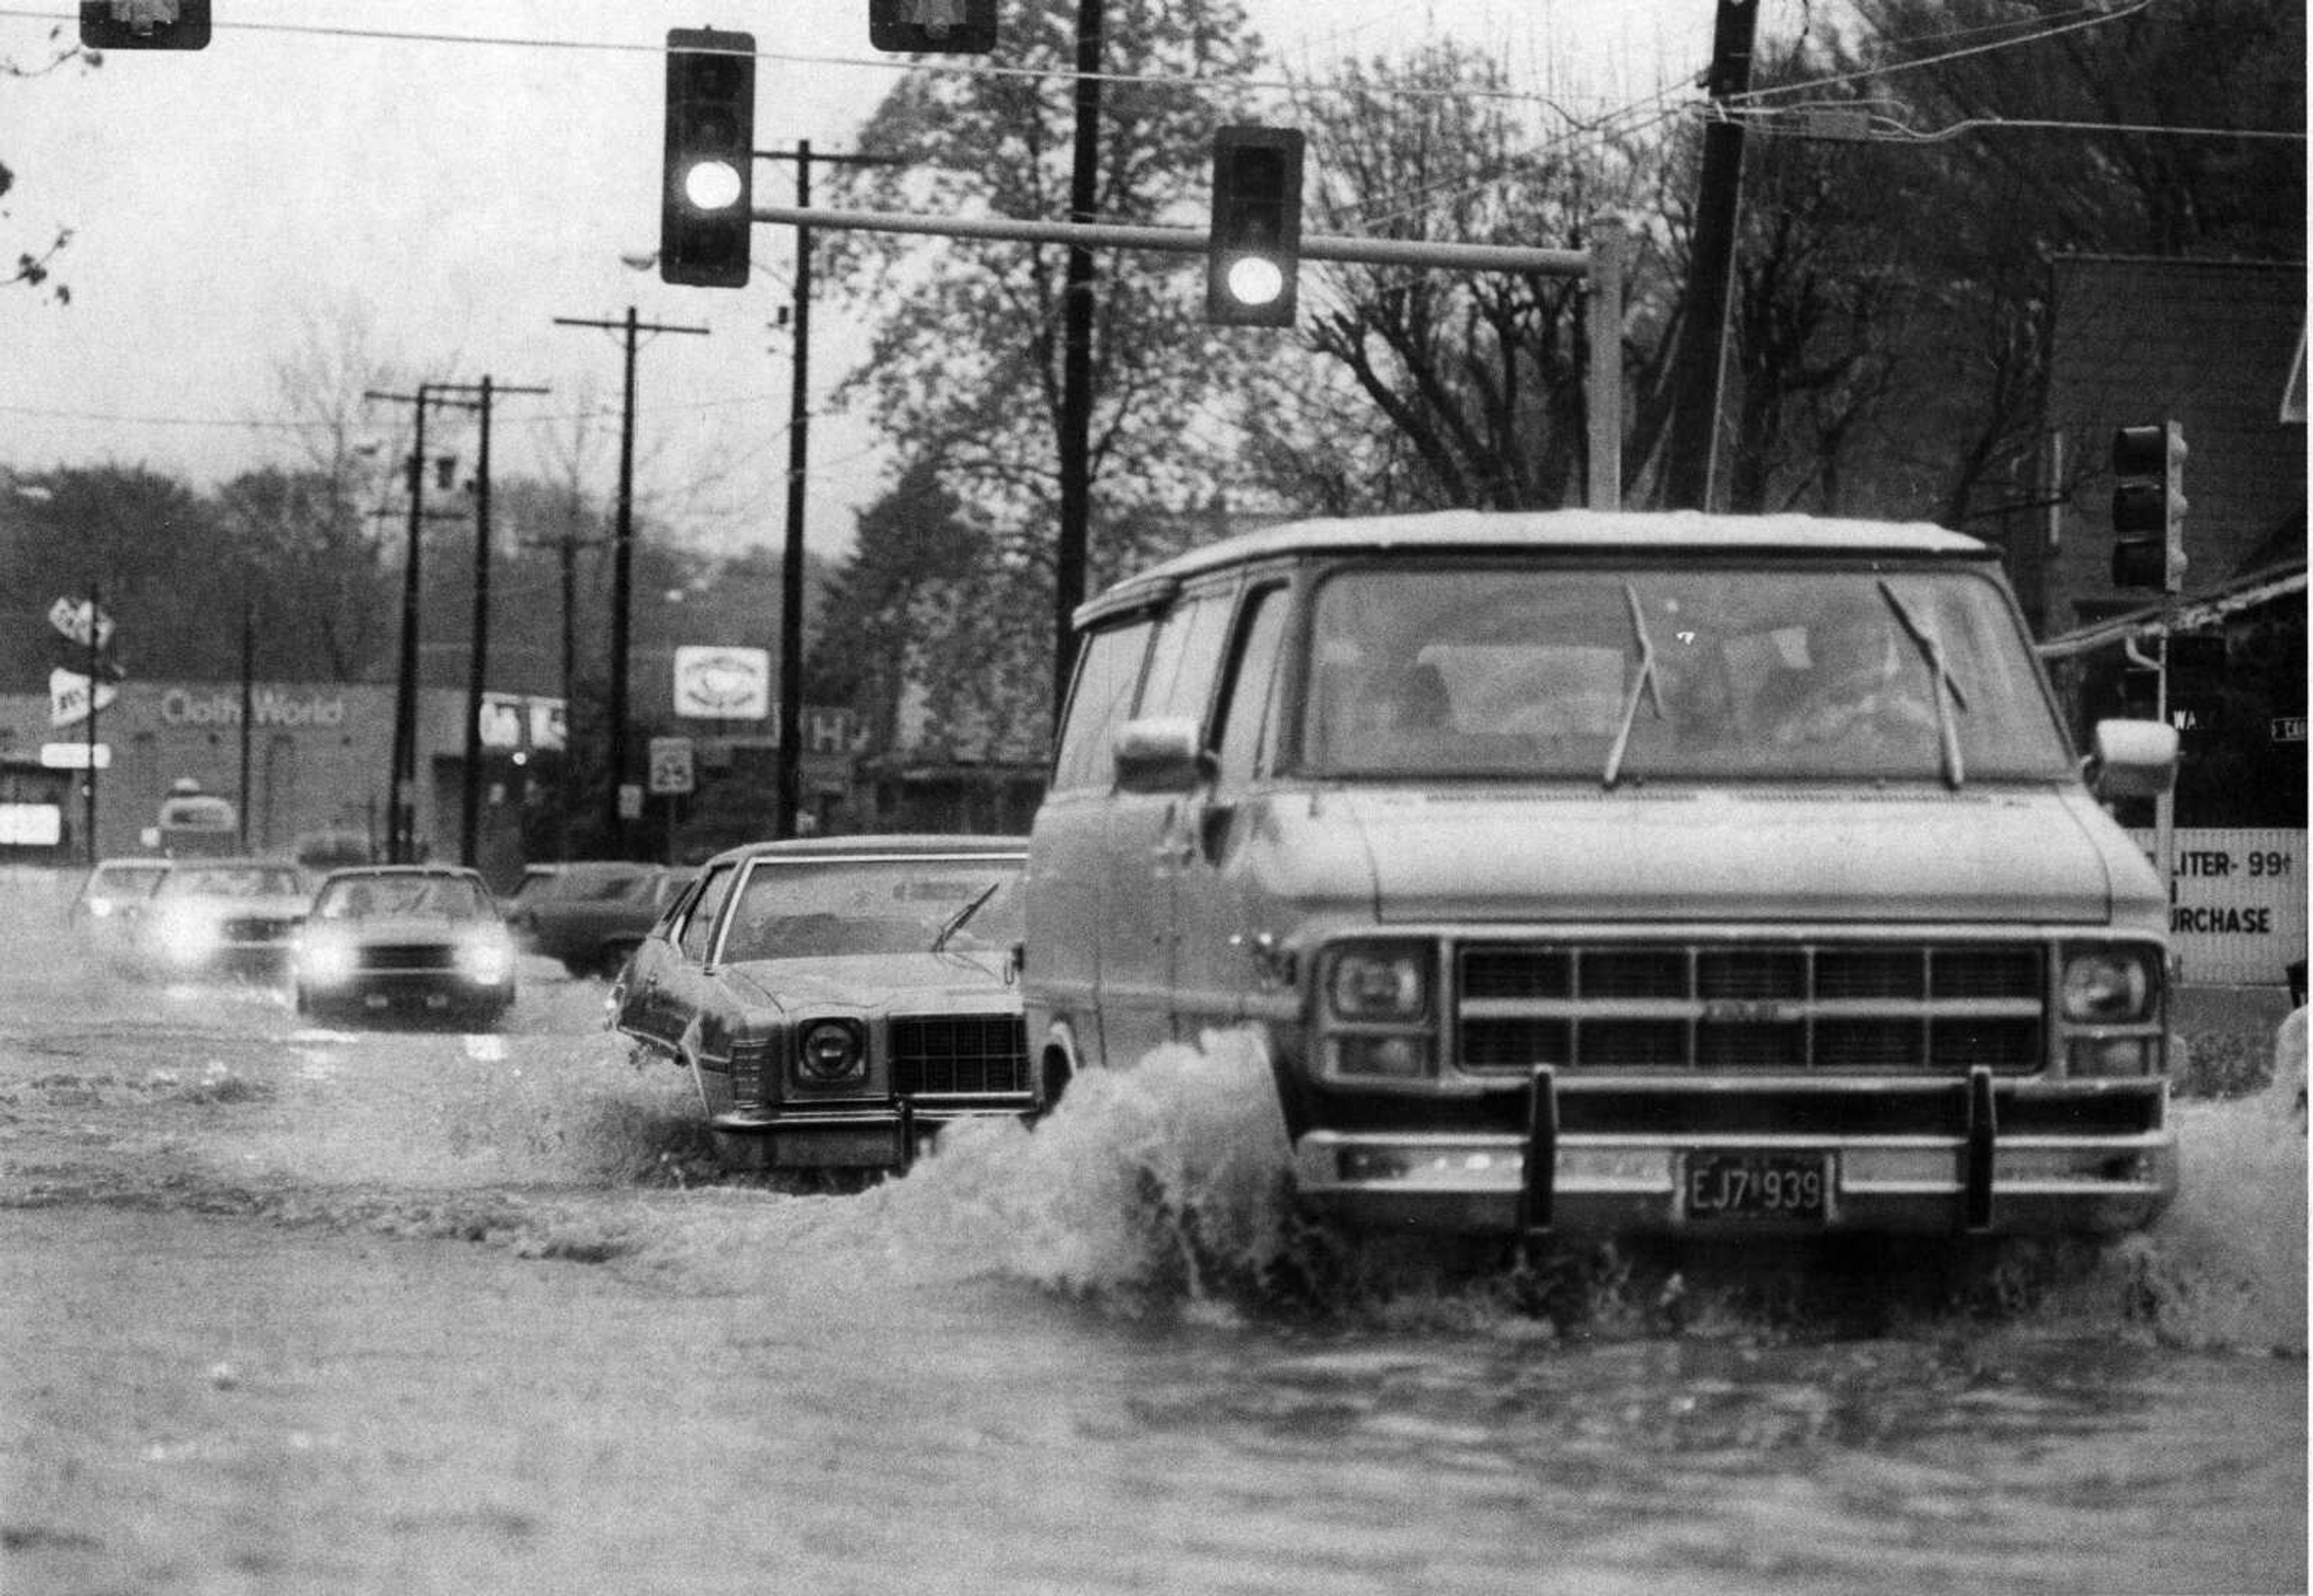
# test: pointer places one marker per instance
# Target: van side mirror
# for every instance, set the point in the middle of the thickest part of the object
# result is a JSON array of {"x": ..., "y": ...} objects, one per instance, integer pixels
[
  {"x": 1162, "y": 754},
  {"x": 2133, "y": 759}
]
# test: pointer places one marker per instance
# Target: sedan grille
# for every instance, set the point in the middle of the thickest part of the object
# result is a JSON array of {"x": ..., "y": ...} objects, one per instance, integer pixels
[
  {"x": 959, "y": 1054},
  {"x": 408, "y": 956},
  {"x": 1875, "y": 1006}
]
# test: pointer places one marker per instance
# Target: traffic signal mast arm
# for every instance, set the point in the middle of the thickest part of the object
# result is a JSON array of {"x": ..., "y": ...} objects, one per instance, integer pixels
[{"x": 1192, "y": 241}]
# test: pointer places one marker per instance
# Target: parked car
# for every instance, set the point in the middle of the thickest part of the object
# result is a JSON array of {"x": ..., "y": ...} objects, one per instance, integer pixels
[
  {"x": 1703, "y": 875},
  {"x": 111, "y": 898},
  {"x": 837, "y": 1000},
  {"x": 591, "y": 914},
  {"x": 417, "y": 941},
  {"x": 223, "y": 917}
]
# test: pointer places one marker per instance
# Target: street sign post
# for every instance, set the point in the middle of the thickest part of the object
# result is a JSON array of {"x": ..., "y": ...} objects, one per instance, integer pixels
[{"x": 671, "y": 769}]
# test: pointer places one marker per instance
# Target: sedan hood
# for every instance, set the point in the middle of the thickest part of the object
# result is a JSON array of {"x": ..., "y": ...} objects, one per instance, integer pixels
[
  {"x": 407, "y": 928},
  {"x": 2045, "y": 855},
  {"x": 866, "y": 981}
]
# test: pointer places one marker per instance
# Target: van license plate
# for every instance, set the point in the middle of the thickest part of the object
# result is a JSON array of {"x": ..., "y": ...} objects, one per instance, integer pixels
[{"x": 1739, "y": 1185}]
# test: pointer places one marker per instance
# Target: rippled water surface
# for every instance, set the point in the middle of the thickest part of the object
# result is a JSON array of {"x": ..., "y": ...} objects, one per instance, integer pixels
[{"x": 1104, "y": 1356}]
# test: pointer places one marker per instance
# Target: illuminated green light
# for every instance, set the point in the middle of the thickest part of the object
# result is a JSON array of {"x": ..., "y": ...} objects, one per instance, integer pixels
[
  {"x": 712, "y": 185},
  {"x": 1255, "y": 280}
]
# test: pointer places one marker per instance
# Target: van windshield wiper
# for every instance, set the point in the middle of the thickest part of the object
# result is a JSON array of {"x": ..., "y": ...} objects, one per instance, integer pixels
[
  {"x": 1946, "y": 731},
  {"x": 1645, "y": 685},
  {"x": 956, "y": 921}
]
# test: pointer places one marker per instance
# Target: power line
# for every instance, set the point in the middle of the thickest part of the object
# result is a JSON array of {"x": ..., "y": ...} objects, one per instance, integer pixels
[{"x": 946, "y": 67}]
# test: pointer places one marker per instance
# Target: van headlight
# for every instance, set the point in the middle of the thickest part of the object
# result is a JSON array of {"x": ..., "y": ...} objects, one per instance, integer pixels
[
  {"x": 2111, "y": 985},
  {"x": 1379, "y": 981},
  {"x": 1377, "y": 1005}
]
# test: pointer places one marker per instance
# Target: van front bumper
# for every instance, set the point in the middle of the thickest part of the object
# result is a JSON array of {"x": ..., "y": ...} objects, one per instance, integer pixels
[{"x": 2094, "y": 1158}]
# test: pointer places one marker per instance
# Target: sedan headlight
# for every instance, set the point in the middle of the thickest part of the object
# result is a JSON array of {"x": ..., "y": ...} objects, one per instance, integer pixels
[
  {"x": 485, "y": 957},
  {"x": 324, "y": 959},
  {"x": 184, "y": 934},
  {"x": 830, "y": 1050},
  {"x": 2111, "y": 985}
]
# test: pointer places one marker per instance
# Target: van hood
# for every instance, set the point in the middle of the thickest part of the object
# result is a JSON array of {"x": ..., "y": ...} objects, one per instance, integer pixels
[{"x": 2043, "y": 855}]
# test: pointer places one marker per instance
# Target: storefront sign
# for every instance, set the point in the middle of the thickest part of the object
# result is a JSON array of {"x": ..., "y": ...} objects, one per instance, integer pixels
[
  {"x": 30, "y": 825},
  {"x": 68, "y": 697},
  {"x": 723, "y": 684},
  {"x": 74, "y": 756},
  {"x": 2236, "y": 914},
  {"x": 268, "y": 707}
]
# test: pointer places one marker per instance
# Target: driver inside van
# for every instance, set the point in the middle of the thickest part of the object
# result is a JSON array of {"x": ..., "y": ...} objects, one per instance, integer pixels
[{"x": 1855, "y": 685}]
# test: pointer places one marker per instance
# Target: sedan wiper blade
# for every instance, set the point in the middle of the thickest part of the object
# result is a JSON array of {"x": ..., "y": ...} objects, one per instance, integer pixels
[
  {"x": 956, "y": 921},
  {"x": 1644, "y": 687},
  {"x": 1947, "y": 731}
]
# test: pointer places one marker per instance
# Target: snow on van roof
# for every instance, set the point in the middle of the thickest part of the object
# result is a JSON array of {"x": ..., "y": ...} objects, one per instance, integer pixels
[{"x": 1650, "y": 531}]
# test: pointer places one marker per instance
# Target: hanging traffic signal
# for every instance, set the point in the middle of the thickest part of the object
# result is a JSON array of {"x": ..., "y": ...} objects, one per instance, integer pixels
[
  {"x": 144, "y": 24},
  {"x": 706, "y": 224},
  {"x": 1253, "y": 258},
  {"x": 2148, "y": 507},
  {"x": 932, "y": 27}
]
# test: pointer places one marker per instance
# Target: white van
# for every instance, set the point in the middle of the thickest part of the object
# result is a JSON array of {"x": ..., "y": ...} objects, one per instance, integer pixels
[{"x": 1616, "y": 872}]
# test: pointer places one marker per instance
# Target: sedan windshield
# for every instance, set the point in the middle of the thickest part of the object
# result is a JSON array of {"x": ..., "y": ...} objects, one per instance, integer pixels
[
  {"x": 805, "y": 908},
  {"x": 362, "y": 897},
  {"x": 245, "y": 881},
  {"x": 1653, "y": 674}
]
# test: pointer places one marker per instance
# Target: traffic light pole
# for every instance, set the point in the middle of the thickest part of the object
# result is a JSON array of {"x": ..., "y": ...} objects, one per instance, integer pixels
[{"x": 1071, "y": 551}]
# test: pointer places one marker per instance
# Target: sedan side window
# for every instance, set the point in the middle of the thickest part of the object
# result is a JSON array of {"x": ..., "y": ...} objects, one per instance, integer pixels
[{"x": 699, "y": 926}]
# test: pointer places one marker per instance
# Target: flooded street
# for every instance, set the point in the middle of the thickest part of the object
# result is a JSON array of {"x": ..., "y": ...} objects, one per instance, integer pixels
[{"x": 293, "y": 1309}]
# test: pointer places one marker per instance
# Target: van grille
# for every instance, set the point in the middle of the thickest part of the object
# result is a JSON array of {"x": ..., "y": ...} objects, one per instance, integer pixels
[
  {"x": 1875, "y": 1006},
  {"x": 959, "y": 1054}
]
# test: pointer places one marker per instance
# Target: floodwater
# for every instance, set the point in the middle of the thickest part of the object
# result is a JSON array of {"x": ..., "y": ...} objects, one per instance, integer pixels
[{"x": 292, "y": 1309}]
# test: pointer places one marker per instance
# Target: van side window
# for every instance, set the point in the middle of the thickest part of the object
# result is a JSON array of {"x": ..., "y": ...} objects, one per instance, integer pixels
[
  {"x": 1106, "y": 673},
  {"x": 698, "y": 922},
  {"x": 1186, "y": 658},
  {"x": 1246, "y": 716}
]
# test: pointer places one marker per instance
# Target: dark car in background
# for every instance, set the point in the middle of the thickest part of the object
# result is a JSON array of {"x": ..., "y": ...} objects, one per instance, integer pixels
[
  {"x": 408, "y": 941},
  {"x": 226, "y": 916},
  {"x": 590, "y": 915},
  {"x": 836, "y": 1000}
]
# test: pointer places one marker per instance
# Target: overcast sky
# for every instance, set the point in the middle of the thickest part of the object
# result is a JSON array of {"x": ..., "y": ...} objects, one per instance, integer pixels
[{"x": 467, "y": 193}]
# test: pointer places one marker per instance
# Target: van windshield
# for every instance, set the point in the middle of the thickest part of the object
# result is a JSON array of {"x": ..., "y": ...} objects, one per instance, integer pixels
[{"x": 1502, "y": 670}]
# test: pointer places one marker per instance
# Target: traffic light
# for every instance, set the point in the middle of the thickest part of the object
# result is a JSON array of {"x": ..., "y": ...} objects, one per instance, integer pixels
[
  {"x": 1253, "y": 258},
  {"x": 932, "y": 27},
  {"x": 144, "y": 24},
  {"x": 706, "y": 224},
  {"x": 2148, "y": 507}
]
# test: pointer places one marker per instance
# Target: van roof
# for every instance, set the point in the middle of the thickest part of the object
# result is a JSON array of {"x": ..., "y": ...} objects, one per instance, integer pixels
[{"x": 1651, "y": 533}]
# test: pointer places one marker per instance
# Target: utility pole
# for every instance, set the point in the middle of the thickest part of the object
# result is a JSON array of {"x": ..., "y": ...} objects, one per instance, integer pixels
[
  {"x": 568, "y": 546},
  {"x": 95, "y": 670},
  {"x": 1694, "y": 404},
  {"x": 789, "y": 801},
  {"x": 1070, "y": 556},
  {"x": 248, "y": 705},
  {"x": 402, "y": 789},
  {"x": 470, "y": 794},
  {"x": 622, "y": 549}
]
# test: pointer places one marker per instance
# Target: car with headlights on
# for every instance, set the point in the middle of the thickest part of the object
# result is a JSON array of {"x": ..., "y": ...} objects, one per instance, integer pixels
[
  {"x": 103, "y": 911},
  {"x": 836, "y": 1001},
  {"x": 211, "y": 917},
  {"x": 405, "y": 940}
]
